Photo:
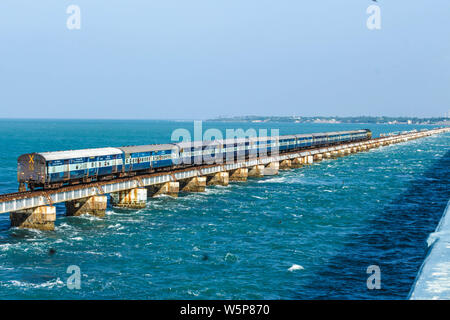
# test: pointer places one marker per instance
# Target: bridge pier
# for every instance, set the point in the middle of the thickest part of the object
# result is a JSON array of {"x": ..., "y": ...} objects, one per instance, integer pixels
[
  {"x": 272, "y": 168},
  {"x": 95, "y": 205},
  {"x": 240, "y": 174},
  {"x": 308, "y": 160},
  {"x": 285, "y": 164},
  {"x": 218, "y": 179},
  {"x": 133, "y": 199},
  {"x": 318, "y": 157},
  {"x": 41, "y": 218},
  {"x": 195, "y": 184},
  {"x": 256, "y": 171},
  {"x": 168, "y": 188},
  {"x": 296, "y": 163}
]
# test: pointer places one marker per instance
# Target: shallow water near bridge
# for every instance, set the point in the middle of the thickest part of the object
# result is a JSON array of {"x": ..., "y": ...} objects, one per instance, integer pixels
[{"x": 308, "y": 233}]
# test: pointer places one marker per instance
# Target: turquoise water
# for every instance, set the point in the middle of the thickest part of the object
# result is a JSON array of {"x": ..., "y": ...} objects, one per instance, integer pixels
[{"x": 334, "y": 219}]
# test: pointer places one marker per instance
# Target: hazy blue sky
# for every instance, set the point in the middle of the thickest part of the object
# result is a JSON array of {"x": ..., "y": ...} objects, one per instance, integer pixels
[{"x": 195, "y": 59}]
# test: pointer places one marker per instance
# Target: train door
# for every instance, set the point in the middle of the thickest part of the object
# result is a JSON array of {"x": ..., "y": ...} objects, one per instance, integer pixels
[
  {"x": 66, "y": 169},
  {"x": 114, "y": 164}
]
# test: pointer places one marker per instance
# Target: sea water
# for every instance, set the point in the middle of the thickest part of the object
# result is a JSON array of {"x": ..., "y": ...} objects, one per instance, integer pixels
[{"x": 308, "y": 233}]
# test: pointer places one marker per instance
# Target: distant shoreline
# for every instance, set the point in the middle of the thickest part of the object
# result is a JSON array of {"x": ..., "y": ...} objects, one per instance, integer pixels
[{"x": 338, "y": 120}]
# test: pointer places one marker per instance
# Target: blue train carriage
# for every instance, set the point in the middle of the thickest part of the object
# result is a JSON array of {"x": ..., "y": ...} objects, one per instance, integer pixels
[
  {"x": 287, "y": 143},
  {"x": 212, "y": 151},
  {"x": 147, "y": 158},
  {"x": 319, "y": 139},
  {"x": 189, "y": 153},
  {"x": 54, "y": 169},
  {"x": 336, "y": 137},
  {"x": 237, "y": 148},
  {"x": 304, "y": 141}
]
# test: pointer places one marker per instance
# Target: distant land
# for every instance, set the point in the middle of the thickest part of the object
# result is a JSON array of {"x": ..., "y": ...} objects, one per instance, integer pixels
[{"x": 360, "y": 119}]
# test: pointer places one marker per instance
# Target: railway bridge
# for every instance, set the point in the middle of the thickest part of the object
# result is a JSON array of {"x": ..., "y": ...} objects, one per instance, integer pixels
[{"x": 36, "y": 209}]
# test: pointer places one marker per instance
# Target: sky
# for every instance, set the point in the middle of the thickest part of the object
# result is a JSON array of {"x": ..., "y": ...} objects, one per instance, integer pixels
[{"x": 199, "y": 59}]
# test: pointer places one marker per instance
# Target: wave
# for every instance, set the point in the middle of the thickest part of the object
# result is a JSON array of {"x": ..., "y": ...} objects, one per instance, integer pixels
[
  {"x": 48, "y": 284},
  {"x": 295, "y": 267}
]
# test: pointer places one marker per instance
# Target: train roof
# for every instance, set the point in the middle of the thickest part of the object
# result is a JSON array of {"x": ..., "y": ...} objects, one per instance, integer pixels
[
  {"x": 82, "y": 153},
  {"x": 147, "y": 148}
]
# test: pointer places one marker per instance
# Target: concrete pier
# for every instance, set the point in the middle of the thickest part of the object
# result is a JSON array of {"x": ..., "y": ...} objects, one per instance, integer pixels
[
  {"x": 239, "y": 175},
  {"x": 95, "y": 205},
  {"x": 41, "y": 218},
  {"x": 318, "y": 157},
  {"x": 218, "y": 179},
  {"x": 297, "y": 163},
  {"x": 308, "y": 160},
  {"x": 285, "y": 164},
  {"x": 256, "y": 171},
  {"x": 271, "y": 169},
  {"x": 133, "y": 198},
  {"x": 168, "y": 188},
  {"x": 195, "y": 184}
]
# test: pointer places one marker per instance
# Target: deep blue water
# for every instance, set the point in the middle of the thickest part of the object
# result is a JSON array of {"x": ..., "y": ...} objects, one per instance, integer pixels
[{"x": 334, "y": 218}]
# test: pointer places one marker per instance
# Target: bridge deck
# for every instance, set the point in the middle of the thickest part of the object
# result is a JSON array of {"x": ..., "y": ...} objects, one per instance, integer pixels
[{"x": 31, "y": 199}]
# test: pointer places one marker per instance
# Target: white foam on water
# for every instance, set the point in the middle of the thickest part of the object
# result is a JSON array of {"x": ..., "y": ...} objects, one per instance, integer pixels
[
  {"x": 48, "y": 284},
  {"x": 193, "y": 293},
  {"x": 90, "y": 217},
  {"x": 273, "y": 180},
  {"x": 295, "y": 267},
  {"x": 115, "y": 226},
  {"x": 261, "y": 198},
  {"x": 77, "y": 238},
  {"x": 5, "y": 246},
  {"x": 95, "y": 253}
]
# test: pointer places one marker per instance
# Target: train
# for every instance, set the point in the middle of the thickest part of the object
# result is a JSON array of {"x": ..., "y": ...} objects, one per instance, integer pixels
[{"x": 50, "y": 170}]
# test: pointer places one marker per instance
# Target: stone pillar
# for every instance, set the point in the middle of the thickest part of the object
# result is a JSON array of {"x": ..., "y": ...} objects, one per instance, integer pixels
[
  {"x": 168, "y": 188},
  {"x": 218, "y": 179},
  {"x": 256, "y": 171},
  {"x": 95, "y": 205},
  {"x": 272, "y": 168},
  {"x": 296, "y": 162},
  {"x": 308, "y": 160},
  {"x": 132, "y": 199},
  {"x": 318, "y": 157},
  {"x": 334, "y": 154},
  {"x": 195, "y": 184},
  {"x": 238, "y": 174},
  {"x": 41, "y": 218},
  {"x": 285, "y": 164},
  {"x": 327, "y": 155}
]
